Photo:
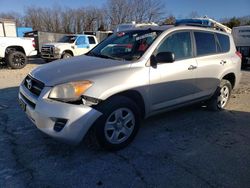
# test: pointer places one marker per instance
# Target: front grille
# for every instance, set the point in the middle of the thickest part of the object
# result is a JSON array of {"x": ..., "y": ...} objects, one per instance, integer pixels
[
  {"x": 47, "y": 50},
  {"x": 27, "y": 101},
  {"x": 33, "y": 85}
]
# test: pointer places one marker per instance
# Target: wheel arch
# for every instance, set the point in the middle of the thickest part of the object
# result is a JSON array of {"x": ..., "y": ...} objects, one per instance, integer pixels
[
  {"x": 136, "y": 97},
  {"x": 15, "y": 48},
  {"x": 68, "y": 51},
  {"x": 231, "y": 78}
]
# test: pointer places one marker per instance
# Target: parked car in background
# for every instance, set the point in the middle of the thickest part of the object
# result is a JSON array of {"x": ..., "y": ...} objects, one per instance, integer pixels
[
  {"x": 14, "y": 50},
  {"x": 131, "y": 75},
  {"x": 241, "y": 37},
  {"x": 68, "y": 46},
  {"x": 129, "y": 26},
  {"x": 100, "y": 35},
  {"x": 42, "y": 37}
]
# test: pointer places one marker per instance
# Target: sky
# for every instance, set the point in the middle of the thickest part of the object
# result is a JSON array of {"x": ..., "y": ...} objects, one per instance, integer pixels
[{"x": 216, "y": 9}]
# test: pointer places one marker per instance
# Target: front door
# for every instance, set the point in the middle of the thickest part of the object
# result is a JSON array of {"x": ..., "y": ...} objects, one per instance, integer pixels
[
  {"x": 82, "y": 45},
  {"x": 174, "y": 83}
]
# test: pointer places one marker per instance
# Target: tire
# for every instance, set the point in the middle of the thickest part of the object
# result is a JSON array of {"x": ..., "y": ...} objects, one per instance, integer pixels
[
  {"x": 47, "y": 60},
  {"x": 221, "y": 97},
  {"x": 16, "y": 60},
  {"x": 2, "y": 62},
  {"x": 111, "y": 130},
  {"x": 66, "y": 55}
]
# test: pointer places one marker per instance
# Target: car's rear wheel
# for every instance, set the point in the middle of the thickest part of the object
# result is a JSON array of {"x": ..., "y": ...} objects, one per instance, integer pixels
[
  {"x": 118, "y": 125},
  {"x": 221, "y": 97},
  {"x": 16, "y": 59}
]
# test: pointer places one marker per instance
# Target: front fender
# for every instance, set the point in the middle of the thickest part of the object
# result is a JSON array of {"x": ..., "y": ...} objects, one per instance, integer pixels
[{"x": 108, "y": 84}]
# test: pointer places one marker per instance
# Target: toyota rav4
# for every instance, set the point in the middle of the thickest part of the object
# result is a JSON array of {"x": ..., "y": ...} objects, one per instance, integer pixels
[{"x": 131, "y": 75}]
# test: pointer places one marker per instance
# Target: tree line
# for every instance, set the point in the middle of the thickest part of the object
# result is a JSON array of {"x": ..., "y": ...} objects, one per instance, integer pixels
[
  {"x": 114, "y": 12},
  {"x": 69, "y": 20}
]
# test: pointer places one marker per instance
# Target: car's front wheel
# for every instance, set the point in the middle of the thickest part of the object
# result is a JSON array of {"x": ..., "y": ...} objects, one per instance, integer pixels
[
  {"x": 118, "y": 125},
  {"x": 66, "y": 55}
]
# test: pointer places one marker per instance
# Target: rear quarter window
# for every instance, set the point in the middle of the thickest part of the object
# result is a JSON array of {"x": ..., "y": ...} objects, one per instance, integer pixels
[
  {"x": 224, "y": 42},
  {"x": 91, "y": 40},
  {"x": 205, "y": 43}
]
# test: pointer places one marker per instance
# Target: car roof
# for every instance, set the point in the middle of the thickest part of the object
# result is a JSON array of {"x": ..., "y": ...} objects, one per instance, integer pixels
[
  {"x": 167, "y": 27},
  {"x": 154, "y": 28}
]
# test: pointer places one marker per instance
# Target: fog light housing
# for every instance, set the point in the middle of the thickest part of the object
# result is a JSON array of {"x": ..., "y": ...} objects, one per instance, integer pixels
[{"x": 59, "y": 124}]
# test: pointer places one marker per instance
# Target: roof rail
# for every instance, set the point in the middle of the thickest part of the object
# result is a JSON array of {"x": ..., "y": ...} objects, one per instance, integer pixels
[{"x": 204, "y": 22}]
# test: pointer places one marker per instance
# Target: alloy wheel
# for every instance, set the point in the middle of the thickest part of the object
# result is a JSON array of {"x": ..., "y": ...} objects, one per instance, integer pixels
[
  {"x": 224, "y": 96},
  {"x": 119, "y": 125},
  {"x": 18, "y": 60}
]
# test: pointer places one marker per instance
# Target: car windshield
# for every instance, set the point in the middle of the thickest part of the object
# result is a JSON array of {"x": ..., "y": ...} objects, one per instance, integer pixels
[
  {"x": 127, "y": 45},
  {"x": 68, "y": 39}
]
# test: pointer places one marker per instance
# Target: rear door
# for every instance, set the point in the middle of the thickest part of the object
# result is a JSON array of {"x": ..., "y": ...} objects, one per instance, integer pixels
[
  {"x": 174, "y": 83},
  {"x": 211, "y": 60},
  {"x": 92, "y": 42}
]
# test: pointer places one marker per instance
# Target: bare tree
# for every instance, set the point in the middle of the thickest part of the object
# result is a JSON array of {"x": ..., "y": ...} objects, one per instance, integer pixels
[
  {"x": 67, "y": 16},
  {"x": 121, "y": 11},
  {"x": 33, "y": 18},
  {"x": 117, "y": 11},
  {"x": 82, "y": 19},
  {"x": 153, "y": 10},
  {"x": 170, "y": 20}
]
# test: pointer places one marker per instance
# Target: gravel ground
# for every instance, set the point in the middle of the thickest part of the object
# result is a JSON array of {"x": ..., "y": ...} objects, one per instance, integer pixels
[{"x": 189, "y": 147}]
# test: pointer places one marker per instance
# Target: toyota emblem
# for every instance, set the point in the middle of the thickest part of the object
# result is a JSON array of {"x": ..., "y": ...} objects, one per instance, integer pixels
[{"x": 29, "y": 83}]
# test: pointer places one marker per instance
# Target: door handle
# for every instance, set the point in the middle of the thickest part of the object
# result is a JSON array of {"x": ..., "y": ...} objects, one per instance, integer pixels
[
  {"x": 192, "y": 67},
  {"x": 222, "y": 62}
]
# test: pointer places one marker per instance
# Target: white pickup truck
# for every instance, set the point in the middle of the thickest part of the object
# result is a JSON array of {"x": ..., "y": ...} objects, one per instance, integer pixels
[
  {"x": 68, "y": 46},
  {"x": 14, "y": 51}
]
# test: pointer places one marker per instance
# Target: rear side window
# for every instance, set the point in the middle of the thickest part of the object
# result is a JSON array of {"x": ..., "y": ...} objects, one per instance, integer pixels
[
  {"x": 91, "y": 40},
  {"x": 178, "y": 43},
  {"x": 224, "y": 42},
  {"x": 205, "y": 43}
]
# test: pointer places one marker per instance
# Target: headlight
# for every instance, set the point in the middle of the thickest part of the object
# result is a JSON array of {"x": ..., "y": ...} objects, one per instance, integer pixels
[
  {"x": 70, "y": 91},
  {"x": 57, "y": 50}
]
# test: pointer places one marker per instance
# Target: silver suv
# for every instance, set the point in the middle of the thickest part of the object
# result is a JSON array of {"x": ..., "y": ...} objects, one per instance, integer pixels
[{"x": 131, "y": 75}]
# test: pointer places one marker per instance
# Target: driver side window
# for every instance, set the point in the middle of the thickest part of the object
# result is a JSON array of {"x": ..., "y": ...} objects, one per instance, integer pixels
[
  {"x": 80, "y": 41},
  {"x": 177, "y": 43}
]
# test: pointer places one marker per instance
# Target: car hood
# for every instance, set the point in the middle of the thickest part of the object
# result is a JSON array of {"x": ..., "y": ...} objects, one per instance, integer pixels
[{"x": 76, "y": 69}]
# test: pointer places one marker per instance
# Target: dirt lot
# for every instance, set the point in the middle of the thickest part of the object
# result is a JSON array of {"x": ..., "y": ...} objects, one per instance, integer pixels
[{"x": 189, "y": 147}]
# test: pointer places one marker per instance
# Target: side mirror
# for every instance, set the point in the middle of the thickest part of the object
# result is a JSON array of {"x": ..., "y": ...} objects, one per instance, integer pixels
[
  {"x": 165, "y": 57},
  {"x": 162, "y": 57}
]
